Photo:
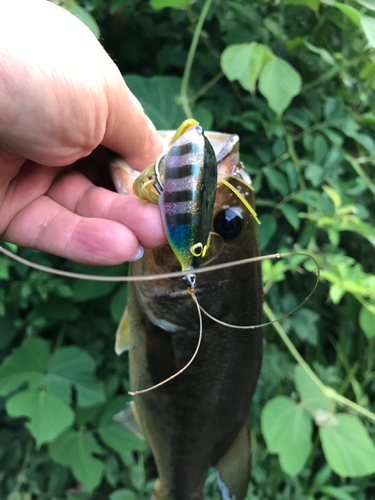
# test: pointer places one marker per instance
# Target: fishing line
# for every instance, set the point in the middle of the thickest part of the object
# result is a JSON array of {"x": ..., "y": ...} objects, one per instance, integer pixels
[
  {"x": 250, "y": 327},
  {"x": 149, "y": 277},
  {"x": 135, "y": 393},
  {"x": 175, "y": 274}
]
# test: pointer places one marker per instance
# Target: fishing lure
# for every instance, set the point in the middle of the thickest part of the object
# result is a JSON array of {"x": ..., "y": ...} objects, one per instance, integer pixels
[{"x": 184, "y": 179}]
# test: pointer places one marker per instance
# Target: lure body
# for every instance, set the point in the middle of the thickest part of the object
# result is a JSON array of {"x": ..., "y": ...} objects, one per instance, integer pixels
[
  {"x": 187, "y": 200},
  {"x": 200, "y": 418}
]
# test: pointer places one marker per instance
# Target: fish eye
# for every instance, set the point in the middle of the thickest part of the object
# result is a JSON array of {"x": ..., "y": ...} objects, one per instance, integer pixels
[{"x": 228, "y": 223}]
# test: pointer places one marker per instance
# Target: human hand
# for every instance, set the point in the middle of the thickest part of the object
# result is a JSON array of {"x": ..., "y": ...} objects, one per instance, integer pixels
[{"x": 61, "y": 96}]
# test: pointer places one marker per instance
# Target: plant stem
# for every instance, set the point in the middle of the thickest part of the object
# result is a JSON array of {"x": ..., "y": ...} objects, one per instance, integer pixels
[
  {"x": 206, "y": 87},
  {"x": 327, "y": 391},
  {"x": 190, "y": 58},
  {"x": 357, "y": 167},
  {"x": 296, "y": 161}
]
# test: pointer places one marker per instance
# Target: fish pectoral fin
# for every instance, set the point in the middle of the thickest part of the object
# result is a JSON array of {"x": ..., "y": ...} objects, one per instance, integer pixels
[
  {"x": 122, "y": 334},
  {"x": 128, "y": 417},
  {"x": 233, "y": 469}
]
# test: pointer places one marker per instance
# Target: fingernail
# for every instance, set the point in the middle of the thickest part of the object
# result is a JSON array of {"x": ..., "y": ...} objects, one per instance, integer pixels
[{"x": 139, "y": 254}]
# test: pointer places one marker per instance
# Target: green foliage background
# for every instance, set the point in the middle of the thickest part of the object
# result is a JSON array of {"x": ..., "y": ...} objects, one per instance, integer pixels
[{"x": 295, "y": 79}]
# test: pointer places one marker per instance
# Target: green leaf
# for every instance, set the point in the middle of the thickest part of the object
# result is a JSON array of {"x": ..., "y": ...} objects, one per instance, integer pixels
[
  {"x": 161, "y": 4},
  {"x": 72, "y": 366},
  {"x": 368, "y": 26},
  {"x": 26, "y": 364},
  {"x": 277, "y": 181},
  {"x": 370, "y": 4},
  {"x": 118, "y": 302},
  {"x": 48, "y": 415},
  {"x": 312, "y": 4},
  {"x": 347, "y": 447},
  {"x": 351, "y": 12},
  {"x": 339, "y": 493},
  {"x": 291, "y": 215},
  {"x": 88, "y": 290},
  {"x": 7, "y": 332},
  {"x": 244, "y": 62},
  {"x": 314, "y": 173},
  {"x": 287, "y": 430},
  {"x": 279, "y": 82},
  {"x": 86, "y": 18},
  {"x": 76, "y": 449},
  {"x": 266, "y": 229},
  {"x": 367, "y": 322},
  {"x": 114, "y": 434},
  {"x": 124, "y": 494},
  {"x": 312, "y": 396},
  {"x": 204, "y": 117},
  {"x": 158, "y": 96}
]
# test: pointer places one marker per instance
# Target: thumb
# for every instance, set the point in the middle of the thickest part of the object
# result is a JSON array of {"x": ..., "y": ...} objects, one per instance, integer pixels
[{"x": 129, "y": 132}]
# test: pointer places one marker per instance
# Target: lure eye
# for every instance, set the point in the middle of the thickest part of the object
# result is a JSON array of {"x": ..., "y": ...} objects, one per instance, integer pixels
[
  {"x": 228, "y": 223},
  {"x": 197, "y": 249}
]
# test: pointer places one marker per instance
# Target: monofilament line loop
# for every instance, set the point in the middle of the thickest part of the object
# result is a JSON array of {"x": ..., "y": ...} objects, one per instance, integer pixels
[
  {"x": 135, "y": 393},
  {"x": 251, "y": 327}
]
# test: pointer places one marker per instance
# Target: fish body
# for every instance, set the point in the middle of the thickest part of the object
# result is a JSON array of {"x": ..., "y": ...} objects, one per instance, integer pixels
[
  {"x": 200, "y": 418},
  {"x": 187, "y": 200}
]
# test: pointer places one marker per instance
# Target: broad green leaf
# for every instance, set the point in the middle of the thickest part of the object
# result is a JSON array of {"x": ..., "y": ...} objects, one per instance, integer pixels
[
  {"x": 114, "y": 434},
  {"x": 312, "y": 4},
  {"x": 18, "y": 495},
  {"x": 368, "y": 26},
  {"x": 279, "y": 82},
  {"x": 7, "y": 332},
  {"x": 323, "y": 53},
  {"x": 311, "y": 395},
  {"x": 124, "y": 494},
  {"x": 158, "y": 96},
  {"x": 266, "y": 229},
  {"x": 204, "y": 117},
  {"x": 277, "y": 181},
  {"x": 161, "y": 4},
  {"x": 72, "y": 366},
  {"x": 304, "y": 322},
  {"x": 118, "y": 302},
  {"x": 291, "y": 215},
  {"x": 48, "y": 415},
  {"x": 347, "y": 447},
  {"x": 287, "y": 430},
  {"x": 86, "y": 18},
  {"x": 26, "y": 364},
  {"x": 351, "y": 12},
  {"x": 314, "y": 173},
  {"x": 367, "y": 322},
  {"x": 244, "y": 62},
  {"x": 88, "y": 290},
  {"x": 339, "y": 492},
  {"x": 320, "y": 148},
  {"x": 75, "y": 449}
]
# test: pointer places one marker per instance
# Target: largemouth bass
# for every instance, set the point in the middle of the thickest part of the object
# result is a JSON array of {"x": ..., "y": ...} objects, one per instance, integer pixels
[{"x": 200, "y": 418}]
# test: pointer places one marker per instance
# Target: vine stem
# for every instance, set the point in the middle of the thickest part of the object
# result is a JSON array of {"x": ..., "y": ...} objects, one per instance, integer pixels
[
  {"x": 327, "y": 391},
  {"x": 354, "y": 163},
  {"x": 190, "y": 59}
]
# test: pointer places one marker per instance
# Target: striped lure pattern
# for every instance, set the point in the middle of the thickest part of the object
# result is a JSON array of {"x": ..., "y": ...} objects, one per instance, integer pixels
[{"x": 187, "y": 200}]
